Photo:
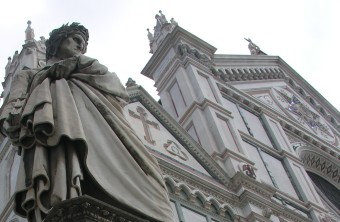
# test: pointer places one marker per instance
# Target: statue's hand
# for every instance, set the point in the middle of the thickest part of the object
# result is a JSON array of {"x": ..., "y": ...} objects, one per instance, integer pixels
[
  {"x": 12, "y": 131},
  {"x": 11, "y": 125},
  {"x": 63, "y": 69}
]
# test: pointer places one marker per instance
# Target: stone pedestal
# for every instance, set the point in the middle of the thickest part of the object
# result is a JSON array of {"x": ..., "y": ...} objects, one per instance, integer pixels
[{"x": 88, "y": 209}]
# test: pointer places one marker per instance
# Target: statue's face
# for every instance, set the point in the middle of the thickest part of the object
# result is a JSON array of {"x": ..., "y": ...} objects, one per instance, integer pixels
[{"x": 73, "y": 45}]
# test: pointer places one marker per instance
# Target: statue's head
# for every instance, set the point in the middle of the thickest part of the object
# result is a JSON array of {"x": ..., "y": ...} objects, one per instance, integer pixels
[{"x": 67, "y": 41}]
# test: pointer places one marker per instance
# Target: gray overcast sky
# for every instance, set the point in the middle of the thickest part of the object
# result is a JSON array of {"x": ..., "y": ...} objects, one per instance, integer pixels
[{"x": 304, "y": 33}]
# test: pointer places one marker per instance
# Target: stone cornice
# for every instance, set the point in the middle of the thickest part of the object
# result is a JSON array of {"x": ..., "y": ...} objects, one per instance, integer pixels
[
  {"x": 242, "y": 182},
  {"x": 207, "y": 208},
  {"x": 247, "y": 73},
  {"x": 137, "y": 93},
  {"x": 229, "y": 153},
  {"x": 178, "y": 180},
  {"x": 202, "y": 105},
  {"x": 210, "y": 186},
  {"x": 244, "y": 60},
  {"x": 261, "y": 195}
]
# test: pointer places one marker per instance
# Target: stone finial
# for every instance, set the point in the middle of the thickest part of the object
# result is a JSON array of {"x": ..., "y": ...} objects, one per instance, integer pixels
[
  {"x": 130, "y": 82},
  {"x": 29, "y": 32}
]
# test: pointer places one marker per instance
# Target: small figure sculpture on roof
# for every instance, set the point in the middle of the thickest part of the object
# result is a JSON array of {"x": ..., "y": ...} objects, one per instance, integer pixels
[
  {"x": 172, "y": 20},
  {"x": 130, "y": 82},
  {"x": 16, "y": 55},
  {"x": 8, "y": 66},
  {"x": 15, "y": 58},
  {"x": 42, "y": 39},
  {"x": 162, "y": 17},
  {"x": 150, "y": 36},
  {"x": 254, "y": 49}
]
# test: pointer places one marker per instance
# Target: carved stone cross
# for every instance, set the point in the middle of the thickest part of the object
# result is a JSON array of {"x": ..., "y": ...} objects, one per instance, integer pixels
[{"x": 146, "y": 123}]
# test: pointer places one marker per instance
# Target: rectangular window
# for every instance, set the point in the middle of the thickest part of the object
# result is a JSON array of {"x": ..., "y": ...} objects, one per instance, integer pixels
[
  {"x": 192, "y": 216},
  {"x": 193, "y": 133},
  {"x": 256, "y": 127},
  {"x": 177, "y": 99},
  {"x": 255, "y": 156},
  {"x": 248, "y": 122},
  {"x": 174, "y": 210},
  {"x": 227, "y": 135},
  {"x": 279, "y": 174},
  {"x": 206, "y": 87},
  {"x": 231, "y": 107},
  {"x": 270, "y": 169}
]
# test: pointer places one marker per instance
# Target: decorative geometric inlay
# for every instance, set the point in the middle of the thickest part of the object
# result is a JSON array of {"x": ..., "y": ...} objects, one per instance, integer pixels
[
  {"x": 329, "y": 169},
  {"x": 303, "y": 113},
  {"x": 175, "y": 150}
]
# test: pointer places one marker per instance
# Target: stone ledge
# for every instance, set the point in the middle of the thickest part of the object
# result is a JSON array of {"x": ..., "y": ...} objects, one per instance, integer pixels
[{"x": 89, "y": 209}]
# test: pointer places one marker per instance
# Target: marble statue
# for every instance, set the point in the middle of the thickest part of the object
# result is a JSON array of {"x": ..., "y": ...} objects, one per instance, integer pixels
[
  {"x": 253, "y": 48},
  {"x": 8, "y": 65},
  {"x": 67, "y": 121},
  {"x": 162, "y": 17}
]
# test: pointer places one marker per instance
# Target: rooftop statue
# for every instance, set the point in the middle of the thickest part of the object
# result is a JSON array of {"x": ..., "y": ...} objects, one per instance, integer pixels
[
  {"x": 253, "y": 48},
  {"x": 67, "y": 121}
]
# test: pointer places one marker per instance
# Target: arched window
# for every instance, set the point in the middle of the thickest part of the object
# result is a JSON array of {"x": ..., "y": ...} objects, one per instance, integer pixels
[{"x": 328, "y": 190}]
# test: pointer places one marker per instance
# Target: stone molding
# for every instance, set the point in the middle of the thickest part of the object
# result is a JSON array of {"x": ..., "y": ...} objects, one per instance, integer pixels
[
  {"x": 193, "y": 193},
  {"x": 174, "y": 177},
  {"x": 231, "y": 74}
]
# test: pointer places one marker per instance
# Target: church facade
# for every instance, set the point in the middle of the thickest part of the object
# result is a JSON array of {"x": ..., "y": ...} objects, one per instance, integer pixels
[{"x": 237, "y": 137}]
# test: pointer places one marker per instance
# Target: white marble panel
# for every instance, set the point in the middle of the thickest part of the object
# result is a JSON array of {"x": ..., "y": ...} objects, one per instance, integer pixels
[{"x": 155, "y": 136}]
